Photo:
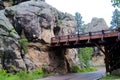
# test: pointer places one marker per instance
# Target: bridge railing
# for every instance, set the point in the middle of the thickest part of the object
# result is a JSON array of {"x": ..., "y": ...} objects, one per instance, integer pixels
[{"x": 67, "y": 37}]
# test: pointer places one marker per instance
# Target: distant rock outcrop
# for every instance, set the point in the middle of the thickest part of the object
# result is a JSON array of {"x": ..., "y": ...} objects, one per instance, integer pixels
[{"x": 96, "y": 24}]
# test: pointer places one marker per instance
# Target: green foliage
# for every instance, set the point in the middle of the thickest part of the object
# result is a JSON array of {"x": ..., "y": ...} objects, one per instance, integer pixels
[
  {"x": 11, "y": 32},
  {"x": 88, "y": 69},
  {"x": 75, "y": 69},
  {"x": 44, "y": 69},
  {"x": 111, "y": 77},
  {"x": 23, "y": 75},
  {"x": 80, "y": 23},
  {"x": 116, "y": 3},
  {"x": 115, "y": 19},
  {"x": 85, "y": 55},
  {"x": 11, "y": 2},
  {"x": 37, "y": 74},
  {"x": 59, "y": 22},
  {"x": 24, "y": 43},
  {"x": 7, "y": 76}
]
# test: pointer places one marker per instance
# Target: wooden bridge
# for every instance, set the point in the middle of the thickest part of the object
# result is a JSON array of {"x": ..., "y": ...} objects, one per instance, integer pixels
[{"x": 109, "y": 39}]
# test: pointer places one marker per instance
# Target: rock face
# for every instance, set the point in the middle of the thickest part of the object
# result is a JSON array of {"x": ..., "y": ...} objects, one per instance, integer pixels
[
  {"x": 96, "y": 24},
  {"x": 38, "y": 22},
  {"x": 10, "y": 49},
  {"x": 116, "y": 72}
]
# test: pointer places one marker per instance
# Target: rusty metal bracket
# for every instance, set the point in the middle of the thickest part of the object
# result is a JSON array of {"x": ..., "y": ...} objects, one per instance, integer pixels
[{"x": 89, "y": 39}]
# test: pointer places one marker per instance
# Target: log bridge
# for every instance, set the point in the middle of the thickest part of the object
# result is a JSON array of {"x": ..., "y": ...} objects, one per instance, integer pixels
[{"x": 109, "y": 39}]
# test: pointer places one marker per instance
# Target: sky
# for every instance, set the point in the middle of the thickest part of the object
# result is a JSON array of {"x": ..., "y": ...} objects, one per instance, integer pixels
[{"x": 87, "y": 8}]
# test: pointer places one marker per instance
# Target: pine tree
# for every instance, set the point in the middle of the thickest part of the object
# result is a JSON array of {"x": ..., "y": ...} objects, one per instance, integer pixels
[
  {"x": 116, "y": 3},
  {"x": 80, "y": 23},
  {"x": 115, "y": 23}
]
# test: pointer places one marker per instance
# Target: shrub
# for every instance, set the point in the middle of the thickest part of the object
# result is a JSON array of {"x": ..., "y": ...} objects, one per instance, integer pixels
[
  {"x": 75, "y": 69},
  {"x": 111, "y": 77},
  {"x": 22, "y": 75},
  {"x": 85, "y": 55},
  {"x": 59, "y": 22},
  {"x": 24, "y": 43},
  {"x": 12, "y": 30},
  {"x": 88, "y": 69},
  {"x": 38, "y": 73}
]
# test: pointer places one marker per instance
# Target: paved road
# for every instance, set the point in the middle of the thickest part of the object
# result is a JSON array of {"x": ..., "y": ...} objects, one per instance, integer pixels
[{"x": 79, "y": 76}]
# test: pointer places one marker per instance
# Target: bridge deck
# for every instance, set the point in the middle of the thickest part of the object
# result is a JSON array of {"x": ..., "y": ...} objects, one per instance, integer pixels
[{"x": 103, "y": 37}]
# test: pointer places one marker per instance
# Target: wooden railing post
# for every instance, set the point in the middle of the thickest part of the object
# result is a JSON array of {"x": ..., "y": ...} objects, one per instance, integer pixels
[
  {"x": 102, "y": 37},
  {"x": 90, "y": 34},
  {"x": 58, "y": 42},
  {"x": 67, "y": 41}
]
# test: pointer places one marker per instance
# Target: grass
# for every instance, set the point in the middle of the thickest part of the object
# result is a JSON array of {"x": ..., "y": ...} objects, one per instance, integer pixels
[
  {"x": 76, "y": 69},
  {"x": 88, "y": 69},
  {"x": 23, "y": 75},
  {"x": 111, "y": 77}
]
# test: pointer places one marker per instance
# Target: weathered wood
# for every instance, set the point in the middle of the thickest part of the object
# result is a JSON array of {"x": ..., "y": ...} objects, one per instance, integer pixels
[
  {"x": 109, "y": 39},
  {"x": 101, "y": 38},
  {"x": 107, "y": 59}
]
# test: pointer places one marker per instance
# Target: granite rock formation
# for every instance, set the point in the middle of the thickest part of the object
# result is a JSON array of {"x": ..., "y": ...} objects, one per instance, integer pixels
[
  {"x": 10, "y": 48},
  {"x": 38, "y": 22},
  {"x": 96, "y": 24}
]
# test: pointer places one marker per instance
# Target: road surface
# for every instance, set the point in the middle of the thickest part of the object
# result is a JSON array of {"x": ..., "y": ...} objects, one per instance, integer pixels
[{"x": 79, "y": 76}]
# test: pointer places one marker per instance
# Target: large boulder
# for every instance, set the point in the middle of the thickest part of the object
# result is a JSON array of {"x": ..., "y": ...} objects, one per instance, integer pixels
[
  {"x": 38, "y": 22},
  {"x": 10, "y": 48}
]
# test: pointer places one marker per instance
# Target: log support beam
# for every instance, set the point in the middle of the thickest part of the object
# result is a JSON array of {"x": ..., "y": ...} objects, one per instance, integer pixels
[{"x": 112, "y": 56}]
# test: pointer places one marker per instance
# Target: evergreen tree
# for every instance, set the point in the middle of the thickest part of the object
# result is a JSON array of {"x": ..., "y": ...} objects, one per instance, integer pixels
[
  {"x": 80, "y": 23},
  {"x": 116, "y": 3},
  {"x": 115, "y": 23}
]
